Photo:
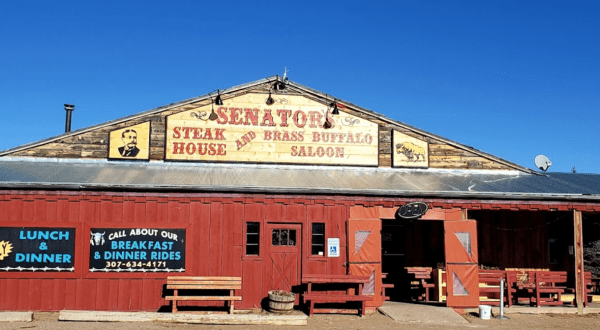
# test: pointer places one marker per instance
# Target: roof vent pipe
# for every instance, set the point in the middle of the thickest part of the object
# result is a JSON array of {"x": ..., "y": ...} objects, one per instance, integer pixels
[{"x": 69, "y": 109}]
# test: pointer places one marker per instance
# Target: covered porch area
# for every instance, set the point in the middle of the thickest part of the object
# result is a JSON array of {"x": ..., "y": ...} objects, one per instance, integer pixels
[{"x": 543, "y": 251}]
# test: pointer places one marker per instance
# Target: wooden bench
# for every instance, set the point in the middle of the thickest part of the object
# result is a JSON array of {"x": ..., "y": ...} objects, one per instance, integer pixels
[
  {"x": 204, "y": 283},
  {"x": 588, "y": 284},
  {"x": 421, "y": 274},
  {"x": 489, "y": 285},
  {"x": 330, "y": 292}
]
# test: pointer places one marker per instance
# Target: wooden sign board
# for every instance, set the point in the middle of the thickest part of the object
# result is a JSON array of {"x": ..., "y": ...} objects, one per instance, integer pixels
[
  {"x": 130, "y": 143},
  {"x": 290, "y": 131},
  {"x": 408, "y": 151}
]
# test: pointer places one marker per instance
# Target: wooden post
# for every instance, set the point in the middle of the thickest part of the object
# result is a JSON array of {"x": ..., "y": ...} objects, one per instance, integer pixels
[
  {"x": 175, "y": 301},
  {"x": 231, "y": 301},
  {"x": 579, "y": 272}
]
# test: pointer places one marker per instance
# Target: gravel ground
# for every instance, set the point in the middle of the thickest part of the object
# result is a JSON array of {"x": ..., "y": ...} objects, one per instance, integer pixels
[{"x": 376, "y": 321}]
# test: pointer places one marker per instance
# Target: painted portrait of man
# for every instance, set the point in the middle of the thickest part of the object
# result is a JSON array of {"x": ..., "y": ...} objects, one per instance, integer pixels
[{"x": 129, "y": 148}]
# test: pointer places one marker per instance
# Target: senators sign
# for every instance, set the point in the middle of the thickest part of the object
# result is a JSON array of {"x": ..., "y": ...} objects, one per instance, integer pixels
[{"x": 290, "y": 131}]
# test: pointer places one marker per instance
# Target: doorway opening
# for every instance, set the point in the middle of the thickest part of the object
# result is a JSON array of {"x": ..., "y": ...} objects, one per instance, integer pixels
[{"x": 408, "y": 245}]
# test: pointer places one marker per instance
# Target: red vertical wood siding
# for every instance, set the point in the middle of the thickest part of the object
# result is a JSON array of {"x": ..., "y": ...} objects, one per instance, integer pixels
[{"x": 214, "y": 226}]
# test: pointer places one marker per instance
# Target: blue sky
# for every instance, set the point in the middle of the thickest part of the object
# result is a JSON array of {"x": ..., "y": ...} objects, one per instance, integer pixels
[{"x": 511, "y": 78}]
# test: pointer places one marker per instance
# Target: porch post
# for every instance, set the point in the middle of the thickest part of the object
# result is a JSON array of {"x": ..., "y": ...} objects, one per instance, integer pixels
[{"x": 579, "y": 271}]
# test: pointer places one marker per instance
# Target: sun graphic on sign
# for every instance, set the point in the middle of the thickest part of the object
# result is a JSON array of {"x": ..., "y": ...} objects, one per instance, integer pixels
[{"x": 5, "y": 249}]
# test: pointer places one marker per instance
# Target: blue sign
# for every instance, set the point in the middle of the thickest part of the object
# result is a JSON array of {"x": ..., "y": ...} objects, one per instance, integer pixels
[
  {"x": 137, "y": 250},
  {"x": 37, "y": 249}
]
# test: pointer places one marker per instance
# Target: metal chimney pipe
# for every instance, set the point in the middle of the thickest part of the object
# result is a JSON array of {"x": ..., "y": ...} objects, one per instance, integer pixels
[{"x": 69, "y": 108}]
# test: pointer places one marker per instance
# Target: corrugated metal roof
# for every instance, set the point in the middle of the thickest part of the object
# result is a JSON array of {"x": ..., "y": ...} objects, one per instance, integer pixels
[{"x": 25, "y": 173}]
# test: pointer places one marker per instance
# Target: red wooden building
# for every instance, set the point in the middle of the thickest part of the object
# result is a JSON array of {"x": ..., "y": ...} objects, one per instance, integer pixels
[{"x": 268, "y": 181}]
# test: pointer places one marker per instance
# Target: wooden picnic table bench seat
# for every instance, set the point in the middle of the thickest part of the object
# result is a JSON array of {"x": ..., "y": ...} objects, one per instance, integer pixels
[
  {"x": 545, "y": 289},
  {"x": 489, "y": 285},
  {"x": 204, "y": 283},
  {"x": 323, "y": 289}
]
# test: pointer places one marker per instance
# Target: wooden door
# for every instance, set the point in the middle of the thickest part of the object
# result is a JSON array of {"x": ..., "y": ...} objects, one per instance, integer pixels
[
  {"x": 364, "y": 255},
  {"x": 462, "y": 276},
  {"x": 283, "y": 266}
]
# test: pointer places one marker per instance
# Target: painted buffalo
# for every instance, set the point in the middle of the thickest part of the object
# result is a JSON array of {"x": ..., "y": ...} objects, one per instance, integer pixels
[{"x": 413, "y": 152}]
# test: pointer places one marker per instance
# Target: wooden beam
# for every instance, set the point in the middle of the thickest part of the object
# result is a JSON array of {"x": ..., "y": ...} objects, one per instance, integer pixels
[{"x": 579, "y": 271}]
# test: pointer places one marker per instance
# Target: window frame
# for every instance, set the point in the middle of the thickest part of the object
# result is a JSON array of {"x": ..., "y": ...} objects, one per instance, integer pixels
[
  {"x": 289, "y": 236},
  {"x": 313, "y": 244},
  {"x": 257, "y": 233}
]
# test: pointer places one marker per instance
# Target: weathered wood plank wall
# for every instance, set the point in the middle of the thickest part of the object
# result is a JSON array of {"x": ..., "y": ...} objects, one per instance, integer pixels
[{"x": 519, "y": 239}]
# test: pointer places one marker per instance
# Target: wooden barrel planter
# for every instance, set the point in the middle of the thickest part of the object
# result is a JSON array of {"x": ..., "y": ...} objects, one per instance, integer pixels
[{"x": 281, "y": 301}]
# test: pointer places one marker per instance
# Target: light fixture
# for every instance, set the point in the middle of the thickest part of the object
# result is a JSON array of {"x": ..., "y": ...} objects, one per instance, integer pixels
[
  {"x": 218, "y": 100},
  {"x": 335, "y": 109},
  {"x": 202, "y": 114},
  {"x": 280, "y": 85},
  {"x": 213, "y": 115},
  {"x": 270, "y": 100},
  {"x": 328, "y": 123}
]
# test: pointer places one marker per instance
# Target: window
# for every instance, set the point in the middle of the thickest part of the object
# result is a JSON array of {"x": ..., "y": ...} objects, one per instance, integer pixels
[
  {"x": 318, "y": 239},
  {"x": 252, "y": 238},
  {"x": 465, "y": 240},
  {"x": 283, "y": 237}
]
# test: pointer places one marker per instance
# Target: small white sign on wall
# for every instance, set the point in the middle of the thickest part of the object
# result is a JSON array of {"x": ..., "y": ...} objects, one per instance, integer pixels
[{"x": 333, "y": 247}]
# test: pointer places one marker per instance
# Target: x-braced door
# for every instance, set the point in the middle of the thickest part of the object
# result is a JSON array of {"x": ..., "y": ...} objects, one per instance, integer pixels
[
  {"x": 283, "y": 253},
  {"x": 364, "y": 255}
]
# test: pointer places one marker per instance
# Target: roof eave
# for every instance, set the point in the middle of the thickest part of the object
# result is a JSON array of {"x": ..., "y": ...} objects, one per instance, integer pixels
[{"x": 301, "y": 191}]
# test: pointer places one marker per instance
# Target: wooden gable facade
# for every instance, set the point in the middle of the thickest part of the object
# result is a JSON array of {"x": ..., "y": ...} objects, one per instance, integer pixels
[{"x": 94, "y": 142}]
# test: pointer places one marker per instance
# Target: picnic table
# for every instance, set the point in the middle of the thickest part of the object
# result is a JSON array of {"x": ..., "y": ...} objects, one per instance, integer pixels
[
  {"x": 536, "y": 287},
  {"x": 323, "y": 289},
  {"x": 544, "y": 288},
  {"x": 419, "y": 283}
]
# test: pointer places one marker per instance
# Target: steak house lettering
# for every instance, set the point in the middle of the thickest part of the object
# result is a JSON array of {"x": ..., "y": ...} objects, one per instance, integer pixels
[{"x": 253, "y": 117}]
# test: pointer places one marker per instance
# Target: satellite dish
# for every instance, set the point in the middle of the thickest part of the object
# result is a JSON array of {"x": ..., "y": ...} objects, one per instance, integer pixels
[{"x": 542, "y": 162}]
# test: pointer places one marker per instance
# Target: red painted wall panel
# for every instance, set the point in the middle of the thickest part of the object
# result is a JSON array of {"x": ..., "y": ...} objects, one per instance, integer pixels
[
  {"x": 58, "y": 294},
  {"x": 113, "y": 295},
  {"x": 215, "y": 240}
]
